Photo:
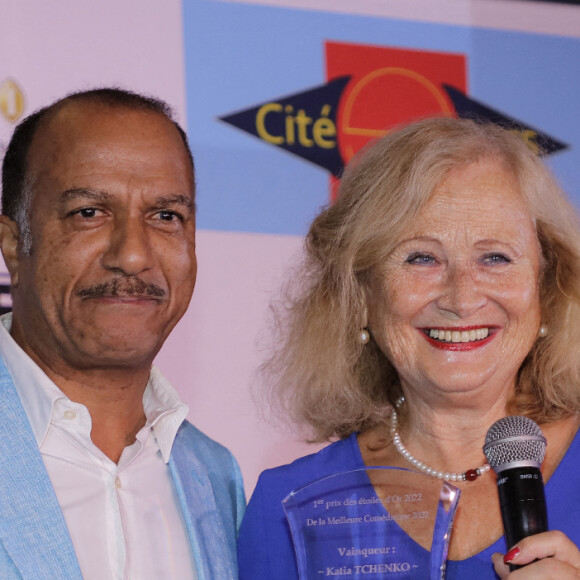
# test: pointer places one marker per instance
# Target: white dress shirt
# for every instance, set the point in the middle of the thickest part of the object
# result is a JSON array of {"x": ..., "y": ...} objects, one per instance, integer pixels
[{"x": 124, "y": 519}]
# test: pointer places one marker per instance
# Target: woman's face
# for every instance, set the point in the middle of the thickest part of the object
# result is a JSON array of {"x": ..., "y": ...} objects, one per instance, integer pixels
[{"x": 456, "y": 307}]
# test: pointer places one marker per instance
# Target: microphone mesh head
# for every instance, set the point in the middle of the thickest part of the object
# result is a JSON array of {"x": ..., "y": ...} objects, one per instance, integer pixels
[{"x": 514, "y": 442}]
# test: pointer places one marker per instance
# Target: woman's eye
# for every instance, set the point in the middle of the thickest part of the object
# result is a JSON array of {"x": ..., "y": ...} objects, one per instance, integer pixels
[
  {"x": 420, "y": 259},
  {"x": 493, "y": 259}
]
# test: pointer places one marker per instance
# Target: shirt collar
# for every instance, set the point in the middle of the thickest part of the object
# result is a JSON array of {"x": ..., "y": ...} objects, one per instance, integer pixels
[
  {"x": 36, "y": 391},
  {"x": 163, "y": 407}
]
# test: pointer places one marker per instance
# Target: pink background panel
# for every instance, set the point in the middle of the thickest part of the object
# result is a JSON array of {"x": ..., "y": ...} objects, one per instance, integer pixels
[
  {"x": 52, "y": 47},
  {"x": 542, "y": 17},
  {"x": 213, "y": 354},
  {"x": 55, "y": 47}
]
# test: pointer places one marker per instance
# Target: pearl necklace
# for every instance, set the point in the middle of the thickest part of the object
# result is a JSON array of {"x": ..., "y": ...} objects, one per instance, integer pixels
[{"x": 469, "y": 475}]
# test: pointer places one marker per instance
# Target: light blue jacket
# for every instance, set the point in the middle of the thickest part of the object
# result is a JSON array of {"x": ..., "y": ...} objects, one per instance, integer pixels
[{"x": 34, "y": 541}]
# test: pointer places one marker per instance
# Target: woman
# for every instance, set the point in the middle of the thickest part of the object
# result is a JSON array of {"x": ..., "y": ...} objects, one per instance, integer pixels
[{"x": 443, "y": 283}]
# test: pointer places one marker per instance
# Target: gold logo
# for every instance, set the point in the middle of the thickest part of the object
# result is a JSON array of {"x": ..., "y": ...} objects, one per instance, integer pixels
[{"x": 11, "y": 100}]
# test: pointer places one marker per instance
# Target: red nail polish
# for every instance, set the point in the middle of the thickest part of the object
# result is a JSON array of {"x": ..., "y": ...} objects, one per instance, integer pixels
[{"x": 511, "y": 555}]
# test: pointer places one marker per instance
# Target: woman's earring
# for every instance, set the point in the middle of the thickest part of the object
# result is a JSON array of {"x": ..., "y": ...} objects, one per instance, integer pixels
[
  {"x": 364, "y": 336},
  {"x": 543, "y": 331}
]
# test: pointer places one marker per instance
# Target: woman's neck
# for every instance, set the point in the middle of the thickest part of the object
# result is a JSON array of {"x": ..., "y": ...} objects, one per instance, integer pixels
[{"x": 447, "y": 435}]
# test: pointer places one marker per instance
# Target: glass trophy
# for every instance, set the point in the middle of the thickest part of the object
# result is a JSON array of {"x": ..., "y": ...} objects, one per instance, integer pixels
[{"x": 371, "y": 523}]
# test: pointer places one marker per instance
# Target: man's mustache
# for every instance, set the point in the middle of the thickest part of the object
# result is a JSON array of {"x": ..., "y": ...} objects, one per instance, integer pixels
[{"x": 120, "y": 287}]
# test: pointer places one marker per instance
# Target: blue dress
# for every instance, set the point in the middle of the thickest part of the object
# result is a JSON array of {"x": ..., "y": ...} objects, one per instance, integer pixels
[{"x": 265, "y": 548}]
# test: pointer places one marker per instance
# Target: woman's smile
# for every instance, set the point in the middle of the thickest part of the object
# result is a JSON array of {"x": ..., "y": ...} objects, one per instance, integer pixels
[
  {"x": 464, "y": 338},
  {"x": 465, "y": 279}
]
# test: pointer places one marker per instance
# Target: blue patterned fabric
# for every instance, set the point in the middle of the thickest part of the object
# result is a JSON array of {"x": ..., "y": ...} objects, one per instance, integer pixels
[{"x": 34, "y": 540}]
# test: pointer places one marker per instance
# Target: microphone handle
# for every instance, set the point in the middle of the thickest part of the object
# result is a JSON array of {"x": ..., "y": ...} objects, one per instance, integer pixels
[{"x": 523, "y": 504}]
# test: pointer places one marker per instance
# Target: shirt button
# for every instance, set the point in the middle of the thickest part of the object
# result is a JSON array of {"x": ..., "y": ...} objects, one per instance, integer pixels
[
  {"x": 118, "y": 482},
  {"x": 69, "y": 414}
]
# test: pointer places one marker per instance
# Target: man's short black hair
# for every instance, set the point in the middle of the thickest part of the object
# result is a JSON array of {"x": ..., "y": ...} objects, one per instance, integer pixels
[{"x": 15, "y": 198}]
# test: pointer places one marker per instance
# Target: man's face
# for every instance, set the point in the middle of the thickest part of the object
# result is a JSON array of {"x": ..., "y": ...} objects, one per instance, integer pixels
[{"x": 112, "y": 266}]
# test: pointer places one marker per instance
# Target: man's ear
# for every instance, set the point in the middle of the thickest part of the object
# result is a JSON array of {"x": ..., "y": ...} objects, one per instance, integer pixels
[{"x": 9, "y": 238}]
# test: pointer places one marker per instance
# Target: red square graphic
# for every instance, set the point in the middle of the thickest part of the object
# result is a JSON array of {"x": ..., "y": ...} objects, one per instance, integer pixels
[{"x": 389, "y": 87}]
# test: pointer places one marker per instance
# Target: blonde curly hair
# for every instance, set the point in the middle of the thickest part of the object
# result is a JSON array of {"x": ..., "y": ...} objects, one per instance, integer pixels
[{"x": 321, "y": 373}]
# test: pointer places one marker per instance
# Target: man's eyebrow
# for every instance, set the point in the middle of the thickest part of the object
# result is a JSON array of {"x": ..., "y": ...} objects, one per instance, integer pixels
[
  {"x": 81, "y": 192},
  {"x": 183, "y": 200},
  {"x": 97, "y": 195}
]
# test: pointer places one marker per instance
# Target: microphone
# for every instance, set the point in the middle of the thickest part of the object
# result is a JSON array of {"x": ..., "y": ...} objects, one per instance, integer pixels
[{"x": 515, "y": 449}]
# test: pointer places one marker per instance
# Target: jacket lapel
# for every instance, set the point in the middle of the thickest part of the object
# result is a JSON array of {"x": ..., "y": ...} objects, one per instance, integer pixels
[
  {"x": 32, "y": 527},
  {"x": 212, "y": 554}
]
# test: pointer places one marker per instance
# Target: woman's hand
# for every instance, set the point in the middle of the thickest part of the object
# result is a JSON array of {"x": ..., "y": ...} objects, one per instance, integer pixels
[{"x": 558, "y": 557}]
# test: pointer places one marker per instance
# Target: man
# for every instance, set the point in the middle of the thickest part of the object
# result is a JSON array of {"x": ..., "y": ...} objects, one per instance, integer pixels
[{"x": 100, "y": 475}]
